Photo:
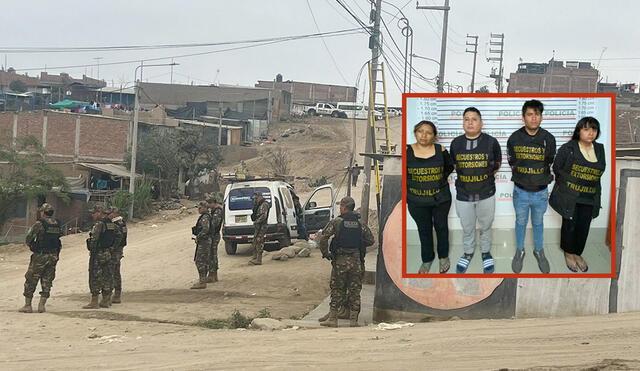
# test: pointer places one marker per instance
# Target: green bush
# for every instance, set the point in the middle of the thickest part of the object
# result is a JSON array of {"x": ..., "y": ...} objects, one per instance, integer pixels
[
  {"x": 122, "y": 200},
  {"x": 238, "y": 320},
  {"x": 318, "y": 182},
  {"x": 264, "y": 313}
]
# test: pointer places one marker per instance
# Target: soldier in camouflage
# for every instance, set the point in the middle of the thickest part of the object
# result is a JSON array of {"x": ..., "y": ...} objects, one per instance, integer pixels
[
  {"x": 202, "y": 231},
  {"x": 44, "y": 241},
  {"x": 117, "y": 254},
  {"x": 103, "y": 238},
  {"x": 259, "y": 216},
  {"x": 350, "y": 239},
  {"x": 214, "y": 203}
]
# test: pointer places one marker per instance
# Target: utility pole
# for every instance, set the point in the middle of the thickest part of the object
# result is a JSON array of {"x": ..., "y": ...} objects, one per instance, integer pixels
[
  {"x": 443, "y": 46},
  {"x": 374, "y": 45},
  {"x": 171, "y": 71},
  {"x": 475, "y": 54},
  {"x": 497, "y": 39},
  {"x": 98, "y": 62}
]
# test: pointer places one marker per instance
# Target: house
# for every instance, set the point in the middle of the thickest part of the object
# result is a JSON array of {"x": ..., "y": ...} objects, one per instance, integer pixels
[{"x": 554, "y": 77}]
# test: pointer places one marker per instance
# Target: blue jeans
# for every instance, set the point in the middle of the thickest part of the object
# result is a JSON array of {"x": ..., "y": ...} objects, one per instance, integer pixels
[{"x": 524, "y": 201}]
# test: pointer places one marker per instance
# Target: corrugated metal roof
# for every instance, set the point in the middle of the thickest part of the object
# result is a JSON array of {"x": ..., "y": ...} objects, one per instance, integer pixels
[{"x": 112, "y": 169}]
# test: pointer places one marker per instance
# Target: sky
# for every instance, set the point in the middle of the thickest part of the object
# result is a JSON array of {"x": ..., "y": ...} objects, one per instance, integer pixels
[{"x": 534, "y": 31}]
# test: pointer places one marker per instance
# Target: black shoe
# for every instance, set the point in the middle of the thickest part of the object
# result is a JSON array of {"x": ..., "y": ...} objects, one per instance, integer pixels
[{"x": 516, "y": 262}]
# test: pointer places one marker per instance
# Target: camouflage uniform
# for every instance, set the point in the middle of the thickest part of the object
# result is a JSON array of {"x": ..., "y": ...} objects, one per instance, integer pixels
[
  {"x": 216, "y": 223},
  {"x": 259, "y": 216},
  {"x": 102, "y": 239},
  {"x": 118, "y": 251},
  {"x": 42, "y": 266},
  {"x": 346, "y": 267},
  {"x": 203, "y": 244}
]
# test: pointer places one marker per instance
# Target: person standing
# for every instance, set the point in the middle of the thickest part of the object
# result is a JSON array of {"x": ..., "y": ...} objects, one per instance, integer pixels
[
  {"x": 477, "y": 157},
  {"x": 202, "y": 231},
  {"x": 428, "y": 196},
  {"x": 259, "y": 216},
  {"x": 117, "y": 254},
  {"x": 579, "y": 165},
  {"x": 44, "y": 242},
  {"x": 101, "y": 241},
  {"x": 350, "y": 240},
  {"x": 216, "y": 224},
  {"x": 531, "y": 151}
]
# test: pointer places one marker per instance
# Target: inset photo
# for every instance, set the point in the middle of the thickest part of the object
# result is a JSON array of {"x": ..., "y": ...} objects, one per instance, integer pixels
[{"x": 510, "y": 185}]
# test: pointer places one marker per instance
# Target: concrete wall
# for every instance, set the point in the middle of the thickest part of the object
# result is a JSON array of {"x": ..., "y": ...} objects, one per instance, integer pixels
[{"x": 419, "y": 299}]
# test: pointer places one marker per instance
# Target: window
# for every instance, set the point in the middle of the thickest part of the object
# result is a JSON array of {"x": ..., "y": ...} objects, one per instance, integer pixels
[
  {"x": 288, "y": 201},
  {"x": 242, "y": 198}
]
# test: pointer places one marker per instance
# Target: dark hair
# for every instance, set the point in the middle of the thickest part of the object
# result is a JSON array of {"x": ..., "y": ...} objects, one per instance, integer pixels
[
  {"x": 48, "y": 213},
  {"x": 586, "y": 123},
  {"x": 534, "y": 104},
  {"x": 425, "y": 122},
  {"x": 472, "y": 109}
]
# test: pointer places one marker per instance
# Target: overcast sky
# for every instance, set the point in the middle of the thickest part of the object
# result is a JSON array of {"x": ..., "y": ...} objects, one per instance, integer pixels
[{"x": 575, "y": 29}]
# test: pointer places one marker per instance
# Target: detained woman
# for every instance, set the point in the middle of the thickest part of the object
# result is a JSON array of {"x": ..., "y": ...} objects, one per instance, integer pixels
[
  {"x": 578, "y": 167},
  {"x": 428, "y": 195}
]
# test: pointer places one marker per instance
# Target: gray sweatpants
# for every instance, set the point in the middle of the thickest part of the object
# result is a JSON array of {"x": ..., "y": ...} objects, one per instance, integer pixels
[{"x": 482, "y": 212}]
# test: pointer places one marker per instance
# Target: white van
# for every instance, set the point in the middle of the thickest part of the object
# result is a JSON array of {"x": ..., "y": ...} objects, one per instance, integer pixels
[
  {"x": 359, "y": 111},
  {"x": 237, "y": 227}
]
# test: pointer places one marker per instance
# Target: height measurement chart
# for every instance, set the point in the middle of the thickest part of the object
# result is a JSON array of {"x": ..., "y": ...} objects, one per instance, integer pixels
[{"x": 501, "y": 117}]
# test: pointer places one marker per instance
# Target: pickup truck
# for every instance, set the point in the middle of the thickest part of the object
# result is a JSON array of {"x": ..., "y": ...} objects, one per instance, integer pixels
[{"x": 321, "y": 109}]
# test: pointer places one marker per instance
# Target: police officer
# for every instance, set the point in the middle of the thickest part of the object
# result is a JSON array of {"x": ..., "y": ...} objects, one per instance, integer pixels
[
  {"x": 117, "y": 253},
  {"x": 214, "y": 203},
  {"x": 203, "y": 245},
  {"x": 350, "y": 239},
  {"x": 259, "y": 216},
  {"x": 102, "y": 239},
  {"x": 44, "y": 241}
]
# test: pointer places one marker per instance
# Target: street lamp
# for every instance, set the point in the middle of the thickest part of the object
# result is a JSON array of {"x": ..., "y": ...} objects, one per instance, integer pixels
[
  {"x": 134, "y": 139},
  {"x": 427, "y": 58}
]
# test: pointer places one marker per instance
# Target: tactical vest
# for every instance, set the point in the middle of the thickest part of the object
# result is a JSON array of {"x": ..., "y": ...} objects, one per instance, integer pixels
[
  {"x": 197, "y": 228},
  {"x": 475, "y": 167},
  {"x": 50, "y": 242},
  {"x": 108, "y": 235},
  {"x": 529, "y": 165},
  {"x": 123, "y": 228},
  {"x": 583, "y": 177},
  {"x": 426, "y": 183},
  {"x": 350, "y": 233}
]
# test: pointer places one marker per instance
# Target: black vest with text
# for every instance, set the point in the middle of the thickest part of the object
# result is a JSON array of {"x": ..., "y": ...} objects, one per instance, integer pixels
[
  {"x": 426, "y": 183},
  {"x": 350, "y": 233},
  {"x": 474, "y": 166},
  {"x": 529, "y": 164},
  {"x": 108, "y": 235}
]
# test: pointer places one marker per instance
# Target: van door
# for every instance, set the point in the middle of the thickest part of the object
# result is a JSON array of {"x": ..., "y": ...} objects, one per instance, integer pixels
[
  {"x": 289, "y": 211},
  {"x": 320, "y": 208}
]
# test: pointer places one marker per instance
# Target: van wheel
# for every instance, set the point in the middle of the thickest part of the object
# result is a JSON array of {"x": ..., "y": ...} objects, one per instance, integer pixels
[
  {"x": 284, "y": 241},
  {"x": 335, "y": 114},
  {"x": 230, "y": 247}
]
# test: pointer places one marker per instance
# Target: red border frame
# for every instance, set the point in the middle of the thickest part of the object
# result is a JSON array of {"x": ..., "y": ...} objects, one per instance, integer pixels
[{"x": 612, "y": 217}]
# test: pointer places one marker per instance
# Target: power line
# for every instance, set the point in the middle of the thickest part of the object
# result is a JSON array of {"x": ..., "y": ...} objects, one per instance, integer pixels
[
  {"x": 289, "y": 38},
  {"x": 326, "y": 46}
]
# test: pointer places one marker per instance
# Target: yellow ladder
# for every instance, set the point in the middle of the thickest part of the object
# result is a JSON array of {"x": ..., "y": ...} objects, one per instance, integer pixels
[{"x": 372, "y": 119}]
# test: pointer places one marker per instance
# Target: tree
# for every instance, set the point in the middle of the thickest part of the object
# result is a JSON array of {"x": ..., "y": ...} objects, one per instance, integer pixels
[
  {"x": 18, "y": 86},
  {"x": 161, "y": 154},
  {"x": 27, "y": 175},
  {"x": 278, "y": 160}
]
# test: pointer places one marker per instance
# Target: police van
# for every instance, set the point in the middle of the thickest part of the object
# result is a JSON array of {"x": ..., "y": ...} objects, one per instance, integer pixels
[{"x": 237, "y": 227}]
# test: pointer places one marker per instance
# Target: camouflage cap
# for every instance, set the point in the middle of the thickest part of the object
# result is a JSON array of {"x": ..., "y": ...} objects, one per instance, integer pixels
[
  {"x": 203, "y": 204},
  {"x": 215, "y": 197},
  {"x": 97, "y": 208},
  {"x": 257, "y": 194},
  {"x": 348, "y": 202},
  {"x": 46, "y": 207}
]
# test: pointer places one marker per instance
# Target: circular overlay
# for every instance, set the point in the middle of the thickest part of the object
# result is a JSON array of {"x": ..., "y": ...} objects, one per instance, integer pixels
[{"x": 437, "y": 293}]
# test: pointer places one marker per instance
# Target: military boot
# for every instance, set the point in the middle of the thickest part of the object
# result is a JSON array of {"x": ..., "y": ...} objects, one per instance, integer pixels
[
  {"x": 201, "y": 284},
  {"x": 212, "y": 277},
  {"x": 353, "y": 319},
  {"x": 106, "y": 300},
  {"x": 115, "y": 299},
  {"x": 43, "y": 301},
  {"x": 343, "y": 313},
  {"x": 332, "y": 320},
  {"x": 27, "y": 306},
  {"x": 93, "y": 304}
]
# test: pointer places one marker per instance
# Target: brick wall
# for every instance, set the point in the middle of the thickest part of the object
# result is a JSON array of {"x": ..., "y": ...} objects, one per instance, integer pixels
[{"x": 101, "y": 138}]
